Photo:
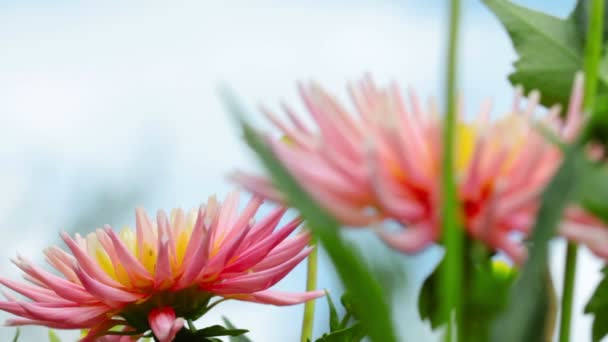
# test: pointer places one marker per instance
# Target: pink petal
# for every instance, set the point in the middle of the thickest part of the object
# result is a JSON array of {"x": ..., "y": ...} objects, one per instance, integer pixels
[
  {"x": 68, "y": 290},
  {"x": 265, "y": 226},
  {"x": 198, "y": 233},
  {"x": 164, "y": 324},
  {"x": 281, "y": 298},
  {"x": 129, "y": 261},
  {"x": 144, "y": 231},
  {"x": 257, "y": 185},
  {"x": 258, "y": 281},
  {"x": 76, "y": 317},
  {"x": 15, "y": 322},
  {"x": 33, "y": 292},
  {"x": 245, "y": 217},
  {"x": 166, "y": 231},
  {"x": 196, "y": 263},
  {"x": 258, "y": 251},
  {"x": 106, "y": 294},
  {"x": 85, "y": 261},
  {"x": 410, "y": 240},
  {"x": 163, "y": 277},
  {"x": 283, "y": 252}
]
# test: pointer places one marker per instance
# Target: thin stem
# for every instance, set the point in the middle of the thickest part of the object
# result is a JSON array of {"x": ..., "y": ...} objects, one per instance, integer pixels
[
  {"x": 212, "y": 305},
  {"x": 191, "y": 325},
  {"x": 593, "y": 50},
  {"x": 311, "y": 285},
  {"x": 451, "y": 274},
  {"x": 568, "y": 292}
]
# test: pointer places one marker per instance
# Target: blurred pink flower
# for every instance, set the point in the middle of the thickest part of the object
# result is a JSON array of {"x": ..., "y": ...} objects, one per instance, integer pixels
[
  {"x": 143, "y": 280},
  {"x": 387, "y": 164}
]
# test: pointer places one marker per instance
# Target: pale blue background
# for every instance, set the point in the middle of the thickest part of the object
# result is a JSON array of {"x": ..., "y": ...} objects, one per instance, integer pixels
[{"x": 109, "y": 105}]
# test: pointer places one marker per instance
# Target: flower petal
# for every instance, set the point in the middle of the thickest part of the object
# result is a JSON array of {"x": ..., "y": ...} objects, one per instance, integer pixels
[{"x": 164, "y": 324}]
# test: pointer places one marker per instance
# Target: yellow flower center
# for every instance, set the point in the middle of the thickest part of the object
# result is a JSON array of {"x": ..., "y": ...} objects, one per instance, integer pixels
[
  {"x": 466, "y": 137},
  {"x": 148, "y": 257}
]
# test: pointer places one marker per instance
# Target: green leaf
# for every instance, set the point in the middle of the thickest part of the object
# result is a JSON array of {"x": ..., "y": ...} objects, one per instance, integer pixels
[
  {"x": 593, "y": 191},
  {"x": 350, "y": 266},
  {"x": 241, "y": 338},
  {"x": 485, "y": 299},
  {"x": 17, "y": 333},
  {"x": 528, "y": 303},
  {"x": 218, "y": 330},
  {"x": 597, "y": 128},
  {"x": 428, "y": 300},
  {"x": 351, "y": 311},
  {"x": 334, "y": 321},
  {"x": 488, "y": 284},
  {"x": 339, "y": 330},
  {"x": 210, "y": 333},
  {"x": 549, "y": 49},
  {"x": 598, "y": 307},
  {"x": 53, "y": 337},
  {"x": 353, "y": 333}
]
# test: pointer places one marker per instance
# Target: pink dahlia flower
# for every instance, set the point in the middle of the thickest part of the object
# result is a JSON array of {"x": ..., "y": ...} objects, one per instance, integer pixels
[
  {"x": 386, "y": 163},
  {"x": 161, "y": 274}
]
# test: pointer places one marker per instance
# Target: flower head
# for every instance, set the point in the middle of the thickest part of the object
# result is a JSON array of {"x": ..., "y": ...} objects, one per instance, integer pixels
[
  {"x": 387, "y": 163},
  {"x": 162, "y": 273}
]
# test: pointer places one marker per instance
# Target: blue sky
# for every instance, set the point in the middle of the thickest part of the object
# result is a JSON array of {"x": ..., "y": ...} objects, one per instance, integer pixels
[{"x": 120, "y": 98}]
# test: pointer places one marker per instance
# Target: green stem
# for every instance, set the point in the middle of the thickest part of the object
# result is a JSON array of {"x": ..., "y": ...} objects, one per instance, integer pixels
[
  {"x": 568, "y": 292},
  {"x": 593, "y": 50},
  {"x": 451, "y": 274},
  {"x": 311, "y": 285},
  {"x": 191, "y": 325}
]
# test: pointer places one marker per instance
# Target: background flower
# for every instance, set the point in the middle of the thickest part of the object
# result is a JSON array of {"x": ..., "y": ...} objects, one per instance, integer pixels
[{"x": 384, "y": 162}]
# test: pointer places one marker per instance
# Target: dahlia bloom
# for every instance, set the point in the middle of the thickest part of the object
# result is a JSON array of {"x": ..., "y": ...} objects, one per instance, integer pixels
[
  {"x": 386, "y": 163},
  {"x": 162, "y": 274}
]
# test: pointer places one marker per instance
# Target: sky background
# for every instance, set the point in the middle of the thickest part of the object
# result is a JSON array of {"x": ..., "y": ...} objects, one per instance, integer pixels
[{"x": 109, "y": 105}]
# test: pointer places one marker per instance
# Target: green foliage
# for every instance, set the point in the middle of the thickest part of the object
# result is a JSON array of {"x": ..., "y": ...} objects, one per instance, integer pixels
[
  {"x": 549, "y": 49},
  {"x": 218, "y": 330},
  {"x": 240, "y": 338},
  {"x": 528, "y": 303},
  {"x": 339, "y": 331},
  {"x": 487, "y": 291},
  {"x": 603, "y": 70},
  {"x": 593, "y": 191},
  {"x": 354, "y": 333},
  {"x": 209, "y": 334},
  {"x": 350, "y": 266},
  {"x": 53, "y": 337},
  {"x": 580, "y": 16},
  {"x": 351, "y": 310},
  {"x": 334, "y": 321},
  {"x": 597, "y": 128},
  {"x": 17, "y": 334},
  {"x": 388, "y": 268},
  {"x": 598, "y": 307},
  {"x": 428, "y": 301}
]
